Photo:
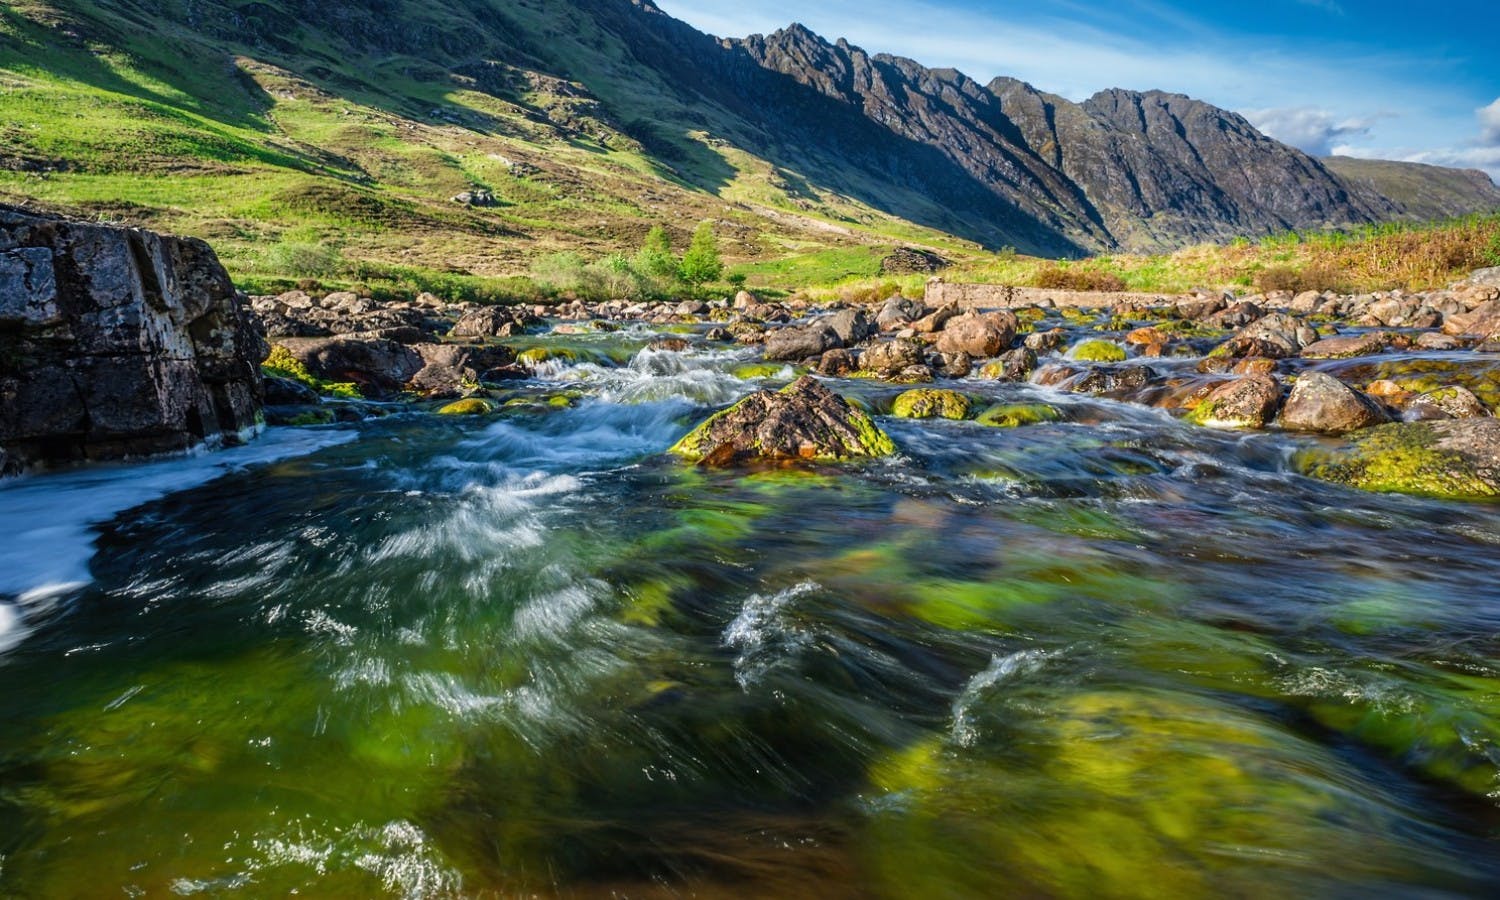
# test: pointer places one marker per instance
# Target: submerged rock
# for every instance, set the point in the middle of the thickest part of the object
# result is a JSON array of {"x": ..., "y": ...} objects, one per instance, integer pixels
[
  {"x": 1324, "y": 404},
  {"x": 803, "y": 421},
  {"x": 931, "y": 403},
  {"x": 1016, "y": 415},
  {"x": 1456, "y": 459},
  {"x": 118, "y": 342},
  {"x": 1099, "y": 351}
]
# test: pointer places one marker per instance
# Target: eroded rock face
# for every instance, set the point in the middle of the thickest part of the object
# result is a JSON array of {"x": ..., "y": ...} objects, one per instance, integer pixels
[
  {"x": 118, "y": 342},
  {"x": 803, "y": 421}
]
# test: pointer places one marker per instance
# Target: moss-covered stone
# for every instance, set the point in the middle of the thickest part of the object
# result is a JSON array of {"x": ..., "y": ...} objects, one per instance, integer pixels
[
  {"x": 1456, "y": 459},
  {"x": 931, "y": 403},
  {"x": 1099, "y": 351},
  {"x": 805, "y": 420},
  {"x": 1016, "y": 415},
  {"x": 282, "y": 364},
  {"x": 538, "y": 355},
  {"x": 759, "y": 371},
  {"x": 471, "y": 406}
]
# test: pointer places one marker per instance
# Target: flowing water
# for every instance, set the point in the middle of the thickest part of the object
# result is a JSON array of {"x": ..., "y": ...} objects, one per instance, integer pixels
[{"x": 1112, "y": 655}]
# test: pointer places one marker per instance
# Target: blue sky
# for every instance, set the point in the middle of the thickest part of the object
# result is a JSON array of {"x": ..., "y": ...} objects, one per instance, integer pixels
[{"x": 1381, "y": 78}]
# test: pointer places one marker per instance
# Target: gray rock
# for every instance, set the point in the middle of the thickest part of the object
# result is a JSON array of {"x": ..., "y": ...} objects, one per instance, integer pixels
[
  {"x": 797, "y": 344},
  {"x": 852, "y": 326},
  {"x": 119, "y": 342},
  {"x": 1322, "y": 403},
  {"x": 891, "y": 358}
]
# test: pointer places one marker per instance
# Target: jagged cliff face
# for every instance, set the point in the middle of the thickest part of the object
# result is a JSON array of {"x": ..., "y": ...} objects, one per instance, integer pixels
[{"x": 1122, "y": 169}]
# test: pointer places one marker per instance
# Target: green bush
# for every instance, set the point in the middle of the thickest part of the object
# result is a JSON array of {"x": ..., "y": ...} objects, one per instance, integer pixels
[{"x": 304, "y": 260}]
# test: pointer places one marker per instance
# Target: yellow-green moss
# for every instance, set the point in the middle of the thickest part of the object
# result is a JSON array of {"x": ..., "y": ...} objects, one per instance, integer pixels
[
  {"x": 1400, "y": 459},
  {"x": 282, "y": 364},
  {"x": 931, "y": 403},
  {"x": 1099, "y": 351},
  {"x": 471, "y": 406}
]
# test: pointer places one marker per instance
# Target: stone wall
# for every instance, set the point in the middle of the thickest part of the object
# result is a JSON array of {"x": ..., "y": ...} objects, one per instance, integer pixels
[
  {"x": 1004, "y": 296},
  {"x": 118, "y": 342}
]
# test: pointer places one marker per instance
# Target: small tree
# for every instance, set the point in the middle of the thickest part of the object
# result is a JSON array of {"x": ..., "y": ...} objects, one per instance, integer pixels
[
  {"x": 701, "y": 263},
  {"x": 655, "y": 258}
]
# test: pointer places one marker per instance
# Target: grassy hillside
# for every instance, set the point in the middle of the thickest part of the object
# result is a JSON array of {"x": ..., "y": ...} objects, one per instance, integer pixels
[{"x": 304, "y": 160}]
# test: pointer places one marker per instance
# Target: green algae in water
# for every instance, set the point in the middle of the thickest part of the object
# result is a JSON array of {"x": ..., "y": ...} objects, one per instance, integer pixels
[{"x": 1132, "y": 794}]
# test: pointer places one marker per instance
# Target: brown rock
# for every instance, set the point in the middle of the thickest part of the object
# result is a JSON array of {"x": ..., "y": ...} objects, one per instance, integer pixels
[
  {"x": 1348, "y": 346},
  {"x": 979, "y": 335}
]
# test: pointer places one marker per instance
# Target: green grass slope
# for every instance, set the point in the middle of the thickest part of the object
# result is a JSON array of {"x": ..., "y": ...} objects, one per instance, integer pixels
[{"x": 309, "y": 140}]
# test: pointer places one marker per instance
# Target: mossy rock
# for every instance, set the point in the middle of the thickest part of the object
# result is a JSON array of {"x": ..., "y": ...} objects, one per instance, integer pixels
[
  {"x": 761, "y": 371},
  {"x": 1017, "y": 415},
  {"x": 538, "y": 355},
  {"x": 1453, "y": 460},
  {"x": 471, "y": 406},
  {"x": 931, "y": 403},
  {"x": 803, "y": 421},
  {"x": 1099, "y": 351}
]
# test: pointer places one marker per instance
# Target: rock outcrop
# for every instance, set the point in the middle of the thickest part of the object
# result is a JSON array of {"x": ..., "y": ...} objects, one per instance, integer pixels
[{"x": 118, "y": 342}]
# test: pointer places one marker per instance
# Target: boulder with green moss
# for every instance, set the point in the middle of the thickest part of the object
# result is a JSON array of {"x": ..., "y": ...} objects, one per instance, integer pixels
[
  {"x": 931, "y": 403},
  {"x": 1247, "y": 402},
  {"x": 802, "y": 421},
  {"x": 471, "y": 406},
  {"x": 1457, "y": 459},
  {"x": 1099, "y": 351}
]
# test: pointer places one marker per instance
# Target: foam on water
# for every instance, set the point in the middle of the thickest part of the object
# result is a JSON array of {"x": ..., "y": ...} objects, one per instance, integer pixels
[{"x": 50, "y": 520}]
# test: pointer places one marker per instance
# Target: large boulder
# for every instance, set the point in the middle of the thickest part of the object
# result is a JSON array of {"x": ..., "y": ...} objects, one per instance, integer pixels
[
  {"x": 119, "y": 342},
  {"x": 803, "y": 421},
  {"x": 449, "y": 367},
  {"x": 1456, "y": 459},
  {"x": 1322, "y": 403},
  {"x": 979, "y": 335}
]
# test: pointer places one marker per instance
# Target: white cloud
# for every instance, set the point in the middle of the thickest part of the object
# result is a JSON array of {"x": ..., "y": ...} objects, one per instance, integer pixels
[
  {"x": 1489, "y": 123},
  {"x": 1308, "y": 128}
]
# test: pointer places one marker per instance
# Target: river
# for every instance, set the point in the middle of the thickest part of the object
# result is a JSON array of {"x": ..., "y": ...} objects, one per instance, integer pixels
[{"x": 1110, "y": 655}]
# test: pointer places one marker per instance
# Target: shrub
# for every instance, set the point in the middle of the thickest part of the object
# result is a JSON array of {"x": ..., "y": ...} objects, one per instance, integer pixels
[
  {"x": 304, "y": 260},
  {"x": 1077, "y": 278}
]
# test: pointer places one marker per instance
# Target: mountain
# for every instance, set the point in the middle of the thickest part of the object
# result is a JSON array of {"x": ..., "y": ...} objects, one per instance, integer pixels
[
  {"x": 1421, "y": 191},
  {"x": 272, "y": 126}
]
